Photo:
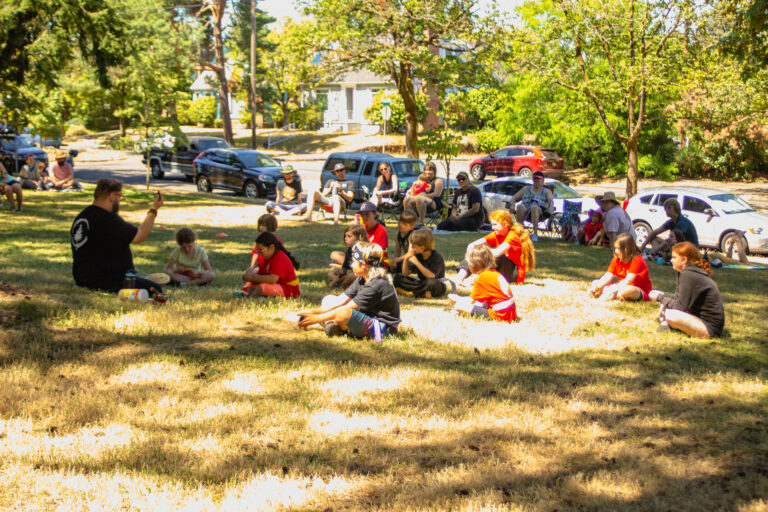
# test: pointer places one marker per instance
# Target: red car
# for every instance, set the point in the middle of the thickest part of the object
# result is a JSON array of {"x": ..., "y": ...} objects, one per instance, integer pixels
[{"x": 518, "y": 160}]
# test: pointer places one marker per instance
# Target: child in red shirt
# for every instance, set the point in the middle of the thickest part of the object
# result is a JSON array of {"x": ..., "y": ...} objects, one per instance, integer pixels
[
  {"x": 592, "y": 233},
  {"x": 377, "y": 233},
  {"x": 510, "y": 245},
  {"x": 629, "y": 268},
  {"x": 420, "y": 185},
  {"x": 491, "y": 295},
  {"x": 276, "y": 275}
]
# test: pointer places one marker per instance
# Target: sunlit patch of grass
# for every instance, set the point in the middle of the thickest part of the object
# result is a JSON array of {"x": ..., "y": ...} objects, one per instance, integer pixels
[{"x": 212, "y": 403}]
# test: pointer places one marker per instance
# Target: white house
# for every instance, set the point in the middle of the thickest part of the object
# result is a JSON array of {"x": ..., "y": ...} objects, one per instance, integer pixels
[
  {"x": 207, "y": 84},
  {"x": 347, "y": 97}
]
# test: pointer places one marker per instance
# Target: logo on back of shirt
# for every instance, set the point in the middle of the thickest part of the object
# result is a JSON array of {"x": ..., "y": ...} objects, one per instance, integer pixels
[{"x": 80, "y": 233}]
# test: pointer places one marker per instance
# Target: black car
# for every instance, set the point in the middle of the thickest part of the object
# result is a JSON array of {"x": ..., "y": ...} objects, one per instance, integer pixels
[
  {"x": 245, "y": 171},
  {"x": 162, "y": 161},
  {"x": 14, "y": 150}
]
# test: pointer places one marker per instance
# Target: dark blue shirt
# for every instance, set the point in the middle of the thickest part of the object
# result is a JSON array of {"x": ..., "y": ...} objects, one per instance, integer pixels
[{"x": 685, "y": 226}]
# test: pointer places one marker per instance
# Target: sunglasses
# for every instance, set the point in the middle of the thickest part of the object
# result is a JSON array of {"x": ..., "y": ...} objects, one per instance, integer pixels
[{"x": 461, "y": 179}]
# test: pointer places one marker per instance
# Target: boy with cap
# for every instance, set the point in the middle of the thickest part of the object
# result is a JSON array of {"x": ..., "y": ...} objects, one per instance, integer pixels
[
  {"x": 288, "y": 194},
  {"x": 338, "y": 193},
  {"x": 377, "y": 233},
  {"x": 466, "y": 209},
  {"x": 535, "y": 199}
]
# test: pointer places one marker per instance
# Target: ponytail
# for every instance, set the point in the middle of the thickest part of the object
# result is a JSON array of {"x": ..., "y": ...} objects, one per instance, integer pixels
[
  {"x": 266, "y": 238},
  {"x": 528, "y": 253}
]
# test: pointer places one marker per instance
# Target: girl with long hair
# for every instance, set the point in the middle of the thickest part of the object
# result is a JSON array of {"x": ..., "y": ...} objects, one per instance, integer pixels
[
  {"x": 276, "y": 275},
  {"x": 629, "y": 269},
  {"x": 696, "y": 308}
]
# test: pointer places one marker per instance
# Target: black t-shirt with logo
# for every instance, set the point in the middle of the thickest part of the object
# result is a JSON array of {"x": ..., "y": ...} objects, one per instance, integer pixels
[
  {"x": 290, "y": 193},
  {"x": 464, "y": 200},
  {"x": 101, "y": 249},
  {"x": 376, "y": 298}
]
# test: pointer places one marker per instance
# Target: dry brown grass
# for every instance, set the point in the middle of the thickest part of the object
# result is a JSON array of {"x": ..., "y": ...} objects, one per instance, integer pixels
[{"x": 220, "y": 404}]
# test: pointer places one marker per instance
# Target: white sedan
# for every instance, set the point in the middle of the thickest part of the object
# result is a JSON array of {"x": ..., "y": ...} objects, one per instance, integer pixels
[{"x": 717, "y": 215}]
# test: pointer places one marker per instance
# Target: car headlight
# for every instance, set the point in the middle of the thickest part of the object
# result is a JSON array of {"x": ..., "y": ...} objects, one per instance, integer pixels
[
  {"x": 266, "y": 179},
  {"x": 755, "y": 231}
]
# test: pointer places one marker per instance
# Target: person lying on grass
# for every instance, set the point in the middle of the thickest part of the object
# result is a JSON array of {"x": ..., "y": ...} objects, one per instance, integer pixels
[
  {"x": 341, "y": 275},
  {"x": 491, "y": 295},
  {"x": 368, "y": 308},
  {"x": 696, "y": 308},
  {"x": 510, "y": 245},
  {"x": 276, "y": 275},
  {"x": 422, "y": 267},
  {"x": 188, "y": 264},
  {"x": 629, "y": 268}
]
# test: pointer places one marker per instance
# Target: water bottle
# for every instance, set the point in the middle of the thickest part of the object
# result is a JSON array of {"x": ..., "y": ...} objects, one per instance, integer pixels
[
  {"x": 138, "y": 295},
  {"x": 129, "y": 282}
]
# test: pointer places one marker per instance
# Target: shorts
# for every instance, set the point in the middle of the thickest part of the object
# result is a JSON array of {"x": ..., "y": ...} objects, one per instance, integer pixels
[
  {"x": 361, "y": 325},
  {"x": 269, "y": 289},
  {"x": 328, "y": 201}
]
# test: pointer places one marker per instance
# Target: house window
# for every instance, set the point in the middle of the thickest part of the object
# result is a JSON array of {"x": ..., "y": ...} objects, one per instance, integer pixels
[{"x": 350, "y": 102}]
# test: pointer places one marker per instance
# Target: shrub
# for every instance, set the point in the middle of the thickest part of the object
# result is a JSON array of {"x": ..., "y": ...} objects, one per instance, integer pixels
[
  {"x": 203, "y": 110},
  {"x": 77, "y": 130},
  {"x": 182, "y": 112},
  {"x": 489, "y": 139}
]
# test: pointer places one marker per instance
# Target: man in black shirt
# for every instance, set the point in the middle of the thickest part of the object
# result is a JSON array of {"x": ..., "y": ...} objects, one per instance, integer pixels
[
  {"x": 466, "y": 209},
  {"x": 101, "y": 239}
]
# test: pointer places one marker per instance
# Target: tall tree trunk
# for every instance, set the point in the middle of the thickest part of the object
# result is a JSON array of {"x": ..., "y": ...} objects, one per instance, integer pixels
[
  {"x": 252, "y": 91},
  {"x": 221, "y": 65},
  {"x": 405, "y": 88},
  {"x": 632, "y": 158}
]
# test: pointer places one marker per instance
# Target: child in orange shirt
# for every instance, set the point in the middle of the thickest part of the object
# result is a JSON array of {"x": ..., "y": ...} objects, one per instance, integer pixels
[{"x": 491, "y": 295}]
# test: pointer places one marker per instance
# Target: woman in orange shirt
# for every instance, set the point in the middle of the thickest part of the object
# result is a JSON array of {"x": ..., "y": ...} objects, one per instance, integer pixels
[{"x": 491, "y": 295}]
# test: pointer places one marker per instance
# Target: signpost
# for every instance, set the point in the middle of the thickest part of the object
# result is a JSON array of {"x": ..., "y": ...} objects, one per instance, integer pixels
[{"x": 386, "y": 113}]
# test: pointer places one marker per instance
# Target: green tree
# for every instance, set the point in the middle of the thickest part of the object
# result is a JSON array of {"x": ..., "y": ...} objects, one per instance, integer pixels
[
  {"x": 623, "y": 57},
  {"x": 440, "y": 144},
  {"x": 396, "y": 120},
  {"x": 400, "y": 39}
]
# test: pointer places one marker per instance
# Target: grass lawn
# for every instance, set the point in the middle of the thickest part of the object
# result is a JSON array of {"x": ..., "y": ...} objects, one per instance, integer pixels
[{"x": 216, "y": 403}]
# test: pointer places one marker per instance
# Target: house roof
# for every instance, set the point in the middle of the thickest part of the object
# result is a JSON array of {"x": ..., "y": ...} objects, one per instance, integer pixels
[{"x": 360, "y": 76}]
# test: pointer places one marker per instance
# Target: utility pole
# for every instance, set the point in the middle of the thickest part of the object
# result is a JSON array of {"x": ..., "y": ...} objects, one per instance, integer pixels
[{"x": 253, "y": 74}]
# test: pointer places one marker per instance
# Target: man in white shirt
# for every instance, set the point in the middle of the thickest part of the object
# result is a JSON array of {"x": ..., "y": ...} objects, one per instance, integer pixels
[{"x": 615, "y": 220}]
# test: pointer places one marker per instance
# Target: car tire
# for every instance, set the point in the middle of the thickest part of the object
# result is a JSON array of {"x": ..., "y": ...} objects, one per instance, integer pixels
[
  {"x": 157, "y": 171},
  {"x": 642, "y": 231},
  {"x": 251, "y": 190},
  {"x": 477, "y": 172},
  {"x": 203, "y": 183},
  {"x": 730, "y": 239},
  {"x": 525, "y": 172}
]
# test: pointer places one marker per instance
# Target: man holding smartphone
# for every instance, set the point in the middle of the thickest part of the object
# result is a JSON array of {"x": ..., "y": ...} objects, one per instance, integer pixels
[{"x": 101, "y": 240}]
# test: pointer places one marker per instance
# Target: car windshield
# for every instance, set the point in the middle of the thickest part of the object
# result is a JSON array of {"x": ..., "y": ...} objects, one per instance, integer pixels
[
  {"x": 211, "y": 144},
  {"x": 24, "y": 141},
  {"x": 405, "y": 169},
  {"x": 255, "y": 159},
  {"x": 729, "y": 203},
  {"x": 561, "y": 191},
  {"x": 12, "y": 143}
]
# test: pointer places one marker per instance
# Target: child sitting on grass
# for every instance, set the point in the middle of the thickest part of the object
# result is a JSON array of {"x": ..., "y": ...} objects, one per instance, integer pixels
[
  {"x": 276, "y": 274},
  {"x": 491, "y": 295},
  {"x": 629, "y": 268},
  {"x": 592, "y": 233},
  {"x": 510, "y": 245},
  {"x": 188, "y": 264},
  {"x": 405, "y": 227},
  {"x": 368, "y": 308},
  {"x": 377, "y": 233},
  {"x": 427, "y": 264},
  {"x": 267, "y": 223},
  {"x": 341, "y": 274}
]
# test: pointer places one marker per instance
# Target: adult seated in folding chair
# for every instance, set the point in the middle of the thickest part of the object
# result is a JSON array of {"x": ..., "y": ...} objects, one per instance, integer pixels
[
  {"x": 288, "y": 194},
  {"x": 385, "y": 191},
  {"x": 431, "y": 199},
  {"x": 337, "y": 194},
  {"x": 534, "y": 202}
]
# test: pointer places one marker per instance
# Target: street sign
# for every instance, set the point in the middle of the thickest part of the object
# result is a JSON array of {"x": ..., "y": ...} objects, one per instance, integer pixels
[
  {"x": 386, "y": 101},
  {"x": 386, "y": 113}
]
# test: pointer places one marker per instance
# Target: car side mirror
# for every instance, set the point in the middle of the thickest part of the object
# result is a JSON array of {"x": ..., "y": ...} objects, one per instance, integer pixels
[{"x": 710, "y": 212}]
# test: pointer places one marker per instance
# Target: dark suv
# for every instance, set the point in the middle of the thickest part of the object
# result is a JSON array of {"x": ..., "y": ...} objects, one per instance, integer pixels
[
  {"x": 162, "y": 161},
  {"x": 245, "y": 171},
  {"x": 14, "y": 150}
]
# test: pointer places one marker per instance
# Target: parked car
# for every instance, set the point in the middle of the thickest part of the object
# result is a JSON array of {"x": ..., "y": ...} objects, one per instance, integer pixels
[
  {"x": 245, "y": 171},
  {"x": 35, "y": 141},
  {"x": 519, "y": 161},
  {"x": 15, "y": 148},
  {"x": 717, "y": 216},
  {"x": 497, "y": 194},
  {"x": 180, "y": 160}
]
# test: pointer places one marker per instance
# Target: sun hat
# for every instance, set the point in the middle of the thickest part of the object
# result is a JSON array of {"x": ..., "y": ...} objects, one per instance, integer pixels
[
  {"x": 60, "y": 154},
  {"x": 288, "y": 169},
  {"x": 608, "y": 196},
  {"x": 339, "y": 167},
  {"x": 368, "y": 207}
]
